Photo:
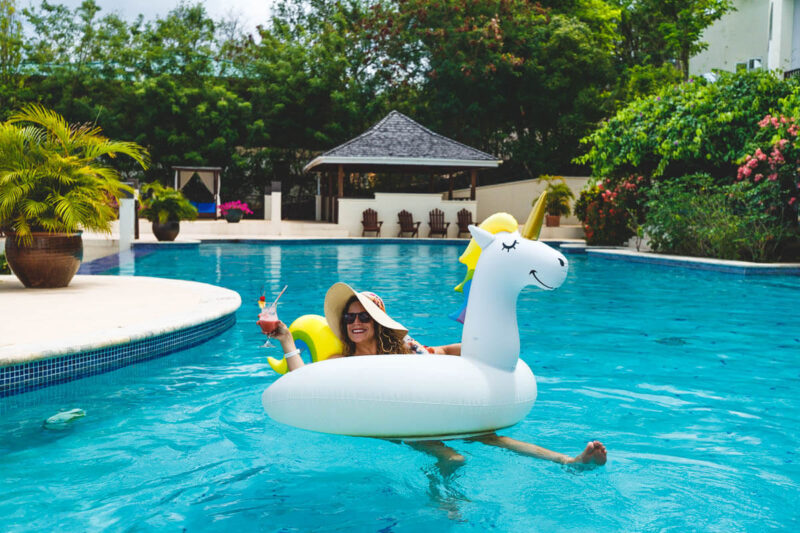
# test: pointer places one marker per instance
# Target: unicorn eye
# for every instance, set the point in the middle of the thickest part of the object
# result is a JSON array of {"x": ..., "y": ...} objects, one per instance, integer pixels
[{"x": 509, "y": 247}]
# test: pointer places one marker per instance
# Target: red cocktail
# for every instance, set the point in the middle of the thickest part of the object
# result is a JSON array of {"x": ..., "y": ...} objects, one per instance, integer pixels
[{"x": 268, "y": 320}]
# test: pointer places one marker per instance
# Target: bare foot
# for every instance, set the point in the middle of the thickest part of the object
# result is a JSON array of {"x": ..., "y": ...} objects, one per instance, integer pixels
[{"x": 593, "y": 455}]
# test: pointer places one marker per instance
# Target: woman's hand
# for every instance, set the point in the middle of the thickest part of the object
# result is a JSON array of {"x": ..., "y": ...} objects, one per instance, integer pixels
[{"x": 281, "y": 333}]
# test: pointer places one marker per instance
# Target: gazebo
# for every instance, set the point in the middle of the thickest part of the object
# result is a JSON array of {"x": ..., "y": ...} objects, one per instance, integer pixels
[
  {"x": 210, "y": 179},
  {"x": 398, "y": 144}
]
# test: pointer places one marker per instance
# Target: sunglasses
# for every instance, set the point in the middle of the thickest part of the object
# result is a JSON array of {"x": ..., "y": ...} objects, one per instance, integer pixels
[{"x": 363, "y": 317}]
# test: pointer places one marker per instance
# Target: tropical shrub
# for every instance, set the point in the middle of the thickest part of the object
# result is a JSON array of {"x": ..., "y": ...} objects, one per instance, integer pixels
[
  {"x": 695, "y": 127},
  {"x": 611, "y": 213},
  {"x": 55, "y": 177},
  {"x": 164, "y": 204},
  {"x": 4, "y": 269},
  {"x": 696, "y": 216}
]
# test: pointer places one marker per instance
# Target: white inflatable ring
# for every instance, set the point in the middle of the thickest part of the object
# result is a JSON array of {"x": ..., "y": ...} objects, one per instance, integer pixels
[{"x": 434, "y": 396}]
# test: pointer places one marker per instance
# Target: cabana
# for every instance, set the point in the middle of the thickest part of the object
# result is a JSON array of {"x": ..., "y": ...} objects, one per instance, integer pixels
[
  {"x": 397, "y": 144},
  {"x": 204, "y": 185}
]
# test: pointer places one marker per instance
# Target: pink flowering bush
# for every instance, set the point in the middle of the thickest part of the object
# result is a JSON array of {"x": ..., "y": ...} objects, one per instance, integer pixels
[
  {"x": 774, "y": 166},
  {"x": 611, "y": 213},
  {"x": 238, "y": 204}
]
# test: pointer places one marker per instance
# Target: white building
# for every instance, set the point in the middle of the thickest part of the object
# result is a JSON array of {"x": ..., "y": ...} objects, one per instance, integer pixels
[{"x": 759, "y": 34}]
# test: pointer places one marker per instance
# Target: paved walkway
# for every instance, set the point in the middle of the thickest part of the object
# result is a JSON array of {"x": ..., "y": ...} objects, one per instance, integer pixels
[{"x": 99, "y": 311}]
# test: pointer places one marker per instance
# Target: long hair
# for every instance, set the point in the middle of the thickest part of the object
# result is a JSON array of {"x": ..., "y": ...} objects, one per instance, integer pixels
[{"x": 387, "y": 340}]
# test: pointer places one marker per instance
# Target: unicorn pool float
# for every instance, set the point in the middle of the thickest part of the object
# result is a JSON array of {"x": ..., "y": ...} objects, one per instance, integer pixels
[{"x": 425, "y": 397}]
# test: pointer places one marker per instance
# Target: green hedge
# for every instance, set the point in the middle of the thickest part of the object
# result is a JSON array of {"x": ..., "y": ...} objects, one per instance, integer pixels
[{"x": 695, "y": 216}]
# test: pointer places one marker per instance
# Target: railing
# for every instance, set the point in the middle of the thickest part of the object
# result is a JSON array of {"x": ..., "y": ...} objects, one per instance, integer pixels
[{"x": 794, "y": 73}]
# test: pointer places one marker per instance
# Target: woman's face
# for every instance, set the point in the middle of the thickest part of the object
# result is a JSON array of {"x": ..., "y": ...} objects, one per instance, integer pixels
[{"x": 360, "y": 331}]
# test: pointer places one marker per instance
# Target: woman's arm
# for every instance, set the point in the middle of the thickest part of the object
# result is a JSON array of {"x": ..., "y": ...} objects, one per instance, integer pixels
[
  {"x": 284, "y": 336},
  {"x": 448, "y": 349}
]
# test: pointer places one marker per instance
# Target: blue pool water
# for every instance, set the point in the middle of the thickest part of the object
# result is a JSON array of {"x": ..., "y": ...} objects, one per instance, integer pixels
[{"x": 690, "y": 378}]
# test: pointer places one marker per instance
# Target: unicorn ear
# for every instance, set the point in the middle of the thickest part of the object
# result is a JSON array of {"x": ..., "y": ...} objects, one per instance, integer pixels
[{"x": 481, "y": 236}]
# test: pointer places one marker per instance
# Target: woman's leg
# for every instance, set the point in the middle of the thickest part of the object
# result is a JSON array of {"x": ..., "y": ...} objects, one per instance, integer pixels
[
  {"x": 593, "y": 454},
  {"x": 447, "y": 459}
]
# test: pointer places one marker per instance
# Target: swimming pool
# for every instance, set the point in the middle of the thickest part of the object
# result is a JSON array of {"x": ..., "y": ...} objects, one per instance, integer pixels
[{"x": 689, "y": 377}]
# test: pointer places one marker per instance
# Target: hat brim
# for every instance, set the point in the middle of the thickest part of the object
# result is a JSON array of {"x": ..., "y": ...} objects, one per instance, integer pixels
[{"x": 335, "y": 300}]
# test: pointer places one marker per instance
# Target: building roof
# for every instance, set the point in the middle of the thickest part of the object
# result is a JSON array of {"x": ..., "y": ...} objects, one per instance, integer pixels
[{"x": 399, "y": 144}]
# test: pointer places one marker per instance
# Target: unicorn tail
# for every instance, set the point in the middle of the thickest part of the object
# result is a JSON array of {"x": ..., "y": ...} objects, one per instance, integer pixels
[{"x": 459, "y": 315}]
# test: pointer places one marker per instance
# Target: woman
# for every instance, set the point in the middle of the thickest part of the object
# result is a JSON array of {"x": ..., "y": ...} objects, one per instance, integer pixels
[{"x": 360, "y": 321}]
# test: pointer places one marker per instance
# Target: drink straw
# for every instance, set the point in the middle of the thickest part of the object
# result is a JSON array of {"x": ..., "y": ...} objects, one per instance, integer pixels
[{"x": 275, "y": 303}]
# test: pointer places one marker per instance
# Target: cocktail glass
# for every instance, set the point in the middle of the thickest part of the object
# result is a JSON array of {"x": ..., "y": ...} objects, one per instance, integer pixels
[{"x": 268, "y": 321}]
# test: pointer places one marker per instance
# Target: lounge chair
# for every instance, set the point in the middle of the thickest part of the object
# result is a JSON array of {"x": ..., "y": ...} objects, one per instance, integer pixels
[
  {"x": 464, "y": 220},
  {"x": 437, "y": 223},
  {"x": 407, "y": 224},
  {"x": 370, "y": 222}
]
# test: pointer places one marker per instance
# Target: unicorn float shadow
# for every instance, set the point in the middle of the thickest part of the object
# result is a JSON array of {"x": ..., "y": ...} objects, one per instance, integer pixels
[{"x": 436, "y": 397}]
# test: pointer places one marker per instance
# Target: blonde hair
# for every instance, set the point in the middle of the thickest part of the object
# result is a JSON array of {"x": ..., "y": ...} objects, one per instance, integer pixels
[{"x": 386, "y": 340}]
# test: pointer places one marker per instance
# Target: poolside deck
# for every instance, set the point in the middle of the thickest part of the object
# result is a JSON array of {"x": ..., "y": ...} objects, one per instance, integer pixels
[{"x": 99, "y": 312}]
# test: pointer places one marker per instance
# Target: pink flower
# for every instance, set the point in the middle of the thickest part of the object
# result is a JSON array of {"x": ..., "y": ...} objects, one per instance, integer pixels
[
  {"x": 746, "y": 171},
  {"x": 782, "y": 143},
  {"x": 758, "y": 177},
  {"x": 761, "y": 156},
  {"x": 793, "y": 130},
  {"x": 752, "y": 163},
  {"x": 772, "y": 177},
  {"x": 774, "y": 121},
  {"x": 792, "y": 200},
  {"x": 764, "y": 121}
]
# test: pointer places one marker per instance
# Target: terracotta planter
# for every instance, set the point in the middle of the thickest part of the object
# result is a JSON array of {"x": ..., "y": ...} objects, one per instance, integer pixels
[
  {"x": 166, "y": 231},
  {"x": 51, "y": 261},
  {"x": 552, "y": 221},
  {"x": 233, "y": 215}
]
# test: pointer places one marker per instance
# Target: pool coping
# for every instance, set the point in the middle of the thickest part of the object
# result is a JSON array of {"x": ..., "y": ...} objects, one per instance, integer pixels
[
  {"x": 208, "y": 310},
  {"x": 745, "y": 268}
]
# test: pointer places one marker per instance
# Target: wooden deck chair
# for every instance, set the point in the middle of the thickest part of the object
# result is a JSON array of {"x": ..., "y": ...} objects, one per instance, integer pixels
[
  {"x": 407, "y": 224},
  {"x": 464, "y": 220},
  {"x": 437, "y": 223},
  {"x": 370, "y": 222}
]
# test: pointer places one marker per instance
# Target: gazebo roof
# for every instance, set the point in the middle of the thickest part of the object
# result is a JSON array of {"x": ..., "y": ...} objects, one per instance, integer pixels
[{"x": 398, "y": 144}]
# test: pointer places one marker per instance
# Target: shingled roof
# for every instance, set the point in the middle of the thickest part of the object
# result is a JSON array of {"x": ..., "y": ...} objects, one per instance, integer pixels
[{"x": 398, "y": 144}]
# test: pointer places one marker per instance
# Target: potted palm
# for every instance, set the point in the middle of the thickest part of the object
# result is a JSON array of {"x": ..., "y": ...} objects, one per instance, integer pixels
[
  {"x": 54, "y": 183},
  {"x": 558, "y": 197},
  {"x": 165, "y": 208}
]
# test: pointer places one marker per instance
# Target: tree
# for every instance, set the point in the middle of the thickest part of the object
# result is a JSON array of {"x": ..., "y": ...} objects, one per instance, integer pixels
[
  {"x": 10, "y": 52},
  {"x": 512, "y": 77},
  {"x": 654, "y": 32}
]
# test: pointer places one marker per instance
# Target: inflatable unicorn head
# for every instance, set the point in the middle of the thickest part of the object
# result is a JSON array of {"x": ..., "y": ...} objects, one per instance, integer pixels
[{"x": 508, "y": 262}]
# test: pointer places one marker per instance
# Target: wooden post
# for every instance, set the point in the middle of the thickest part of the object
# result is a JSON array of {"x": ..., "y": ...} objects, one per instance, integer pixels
[
  {"x": 340, "y": 194},
  {"x": 329, "y": 199},
  {"x": 474, "y": 175},
  {"x": 450, "y": 189}
]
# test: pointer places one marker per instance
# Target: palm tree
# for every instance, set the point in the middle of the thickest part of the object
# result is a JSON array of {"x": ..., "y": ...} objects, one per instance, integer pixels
[{"x": 55, "y": 177}]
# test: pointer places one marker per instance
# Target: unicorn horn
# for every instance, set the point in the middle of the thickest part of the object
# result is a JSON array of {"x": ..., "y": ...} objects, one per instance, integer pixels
[{"x": 533, "y": 226}]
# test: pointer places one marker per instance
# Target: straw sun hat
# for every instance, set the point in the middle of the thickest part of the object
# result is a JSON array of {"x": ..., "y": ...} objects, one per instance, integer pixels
[{"x": 337, "y": 297}]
